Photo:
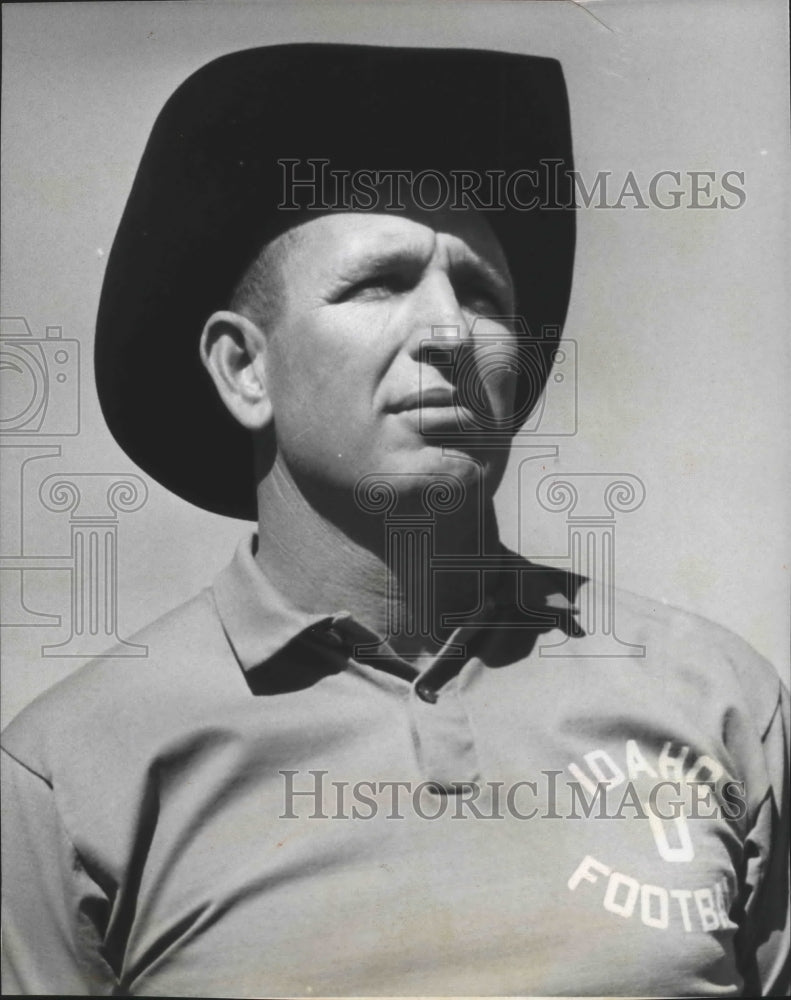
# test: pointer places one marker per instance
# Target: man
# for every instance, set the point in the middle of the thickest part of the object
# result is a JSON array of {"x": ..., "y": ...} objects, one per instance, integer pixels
[{"x": 346, "y": 768}]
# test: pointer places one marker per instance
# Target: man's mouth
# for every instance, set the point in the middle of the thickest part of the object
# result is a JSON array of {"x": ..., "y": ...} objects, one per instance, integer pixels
[
  {"x": 437, "y": 410},
  {"x": 439, "y": 397}
]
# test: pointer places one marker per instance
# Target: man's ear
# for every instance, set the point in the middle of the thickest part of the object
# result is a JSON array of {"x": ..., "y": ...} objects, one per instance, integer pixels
[{"x": 233, "y": 349}]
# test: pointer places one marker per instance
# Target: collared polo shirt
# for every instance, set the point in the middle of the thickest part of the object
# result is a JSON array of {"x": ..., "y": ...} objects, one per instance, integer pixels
[{"x": 273, "y": 803}]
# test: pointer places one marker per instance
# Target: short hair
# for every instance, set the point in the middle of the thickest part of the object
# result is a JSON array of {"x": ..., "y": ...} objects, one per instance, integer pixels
[{"x": 260, "y": 293}]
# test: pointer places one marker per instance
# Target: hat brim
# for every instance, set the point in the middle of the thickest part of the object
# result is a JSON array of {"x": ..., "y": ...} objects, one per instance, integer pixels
[{"x": 207, "y": 194}]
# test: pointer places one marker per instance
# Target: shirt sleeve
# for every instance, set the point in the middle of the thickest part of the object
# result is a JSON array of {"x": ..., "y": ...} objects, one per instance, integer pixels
[
  {"x": 764, "y": 943},
  {"x": 51, "y": 907}
]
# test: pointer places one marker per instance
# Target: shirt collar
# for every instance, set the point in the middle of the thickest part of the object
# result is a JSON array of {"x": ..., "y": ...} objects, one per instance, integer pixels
[{"x": 258, "y": 620}]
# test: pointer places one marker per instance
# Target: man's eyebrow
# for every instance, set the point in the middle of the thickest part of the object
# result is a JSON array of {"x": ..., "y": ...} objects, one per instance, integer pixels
[
  {"x": 475, "y": 265},
  {"x": 374, "y": 261},
  {"x": 471, "y": 264}
]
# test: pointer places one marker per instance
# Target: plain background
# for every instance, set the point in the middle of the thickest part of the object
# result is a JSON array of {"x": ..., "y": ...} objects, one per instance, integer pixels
[{"x": 680, "y": 316}]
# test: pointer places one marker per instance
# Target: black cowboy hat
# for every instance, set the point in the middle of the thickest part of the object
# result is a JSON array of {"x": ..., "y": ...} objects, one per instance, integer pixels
[{"x": 209, "y": 192}]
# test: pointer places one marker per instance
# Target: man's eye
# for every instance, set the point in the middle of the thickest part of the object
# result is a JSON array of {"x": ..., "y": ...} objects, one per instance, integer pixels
[
  {"x": 482, "y": 299},
  {"x": 376, "y": 286}
]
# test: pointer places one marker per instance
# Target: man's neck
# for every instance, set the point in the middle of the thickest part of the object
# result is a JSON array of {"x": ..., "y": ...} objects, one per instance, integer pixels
[{"x": 325, "y": 564}]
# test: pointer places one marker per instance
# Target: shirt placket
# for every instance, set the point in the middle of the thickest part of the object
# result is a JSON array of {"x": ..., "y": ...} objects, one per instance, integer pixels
[{"x": 442, "y": 735}]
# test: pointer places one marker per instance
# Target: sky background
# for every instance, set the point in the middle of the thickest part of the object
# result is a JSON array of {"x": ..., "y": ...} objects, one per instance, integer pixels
[{"x": 680, "y": 317}]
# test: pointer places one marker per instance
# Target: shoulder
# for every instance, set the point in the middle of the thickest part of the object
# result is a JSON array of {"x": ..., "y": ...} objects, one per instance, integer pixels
[
  {"x": 645, "y": 666},
  {"x": 116, "y": 694},
  {"x": 672, "y": 655},
  {"x": 700, "y": 654}
]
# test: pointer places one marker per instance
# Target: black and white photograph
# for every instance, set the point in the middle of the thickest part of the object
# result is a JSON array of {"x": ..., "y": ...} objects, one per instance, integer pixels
[{"x": 394, "y": 467}]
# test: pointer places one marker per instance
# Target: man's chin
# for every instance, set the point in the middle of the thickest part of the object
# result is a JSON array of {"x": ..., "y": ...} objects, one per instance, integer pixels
[{"x": 456, "y": 465}]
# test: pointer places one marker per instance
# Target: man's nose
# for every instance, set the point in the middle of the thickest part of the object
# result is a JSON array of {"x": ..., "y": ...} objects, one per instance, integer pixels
[{"x": 438, "y": 320}]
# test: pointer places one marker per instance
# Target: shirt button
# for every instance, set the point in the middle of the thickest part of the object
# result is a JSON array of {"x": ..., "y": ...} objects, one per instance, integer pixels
[
  {"x": 333, "y": 637},
  {"x": 426, "y": 693}
]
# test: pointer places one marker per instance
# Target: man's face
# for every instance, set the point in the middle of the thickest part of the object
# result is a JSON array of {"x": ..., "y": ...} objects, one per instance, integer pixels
[{"x": 355, "y": 387}]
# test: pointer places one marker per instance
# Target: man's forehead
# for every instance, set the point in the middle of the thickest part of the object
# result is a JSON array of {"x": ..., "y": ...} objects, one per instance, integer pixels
[{"x": 347, "y": 238}]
